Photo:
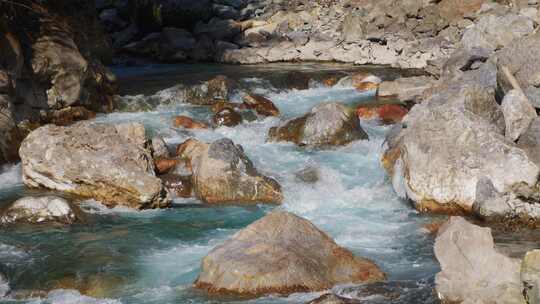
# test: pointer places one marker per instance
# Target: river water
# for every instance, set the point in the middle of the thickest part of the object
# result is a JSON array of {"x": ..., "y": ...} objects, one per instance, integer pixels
[{"x": 154, "y": 256}]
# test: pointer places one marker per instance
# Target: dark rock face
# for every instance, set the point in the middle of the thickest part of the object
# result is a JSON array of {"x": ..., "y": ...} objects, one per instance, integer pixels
[{"x": 51, "y": 59}]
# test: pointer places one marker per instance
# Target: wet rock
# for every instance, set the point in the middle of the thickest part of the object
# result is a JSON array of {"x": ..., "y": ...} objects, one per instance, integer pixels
[
  {"x": 274, "y": 255},
  {"x": 69, "y": 115},
  {"x": 222, "y": 173},
  {"x": 530, "y": 276},
  {"x": 308, "y": 175},
  {"x": 216, "y": 89},
  {"x": 36, "y": 210},
  {"x": 110, "y": 163},
  {"x": 406, "y": 89},
  {"x": 333, "y": 299},
  {"x": 386, "y": 113},
  {"x": 227, "y": 117},
  {"x": 217, "y": 107},
  {"x": 263, "y": 106},
  {"x": 188, "y": 123},
  {"x": 439, "y": 154},
  {"x": 471, "y": 269},
  {"x": 164, "y": 165},
  {"x": 518, "y": 114},
  {"x": 159, "y": 148},
  {"x": 328, "y": 124},
  {"x": 178, "y": 185}
]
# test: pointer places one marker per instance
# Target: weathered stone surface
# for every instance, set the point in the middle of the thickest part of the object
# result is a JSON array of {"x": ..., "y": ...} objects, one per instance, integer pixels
[
  {"x": 36, "y": 210},
  {"x": 263, "y": 106},
  {"x": 275, "y": 255},
  {"x": 110, "y": 163},
  {"x": 159, "y": 148},
  {"x": 386, "y": 113},
  {"x": 406, "y": 89},
  {"x": 472, "y": 271},
  {"x": 518, "y": 114},
  {"x": 222, "y": 173},
  {"x": 530, "y": 275},
  {"x": 328, "y": 124},
  {"x": 451, "y": 141},
  {"x": 178, "y": 185},
  {"x": 164, "y": 165},
  {"x": 529, "y": 141}
]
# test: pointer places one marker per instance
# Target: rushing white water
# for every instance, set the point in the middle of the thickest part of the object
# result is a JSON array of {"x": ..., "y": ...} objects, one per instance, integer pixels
[{"x": 353, "y": 201}]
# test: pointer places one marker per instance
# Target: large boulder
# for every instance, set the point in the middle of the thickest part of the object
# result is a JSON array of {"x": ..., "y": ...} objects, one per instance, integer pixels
[
  {"x": 530, "y": 275},
  {"x": 472, "y": 271},
  {"x": 446, "y": 144},
  {"x": 406, "y": 88},
  {"x": 282, "y": 253},
  {"x": 222, "y": 173},
  {"x": 328, "y": 124},
  {"x": 111, "y": 163},
  {"x": 35, "y": 210}
]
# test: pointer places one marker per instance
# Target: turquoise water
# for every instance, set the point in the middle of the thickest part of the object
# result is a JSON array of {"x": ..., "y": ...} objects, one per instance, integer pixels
[{"x": 154, "y": 256}]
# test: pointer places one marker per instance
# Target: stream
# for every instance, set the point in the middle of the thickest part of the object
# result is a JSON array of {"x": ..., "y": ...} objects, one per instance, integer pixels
[{"x": 154, "y": 256}]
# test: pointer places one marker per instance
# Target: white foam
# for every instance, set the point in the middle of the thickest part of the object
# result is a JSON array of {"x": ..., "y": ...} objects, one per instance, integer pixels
[
  {"x": 69, "y": 296},
  {"x": 10, "y": 176}
]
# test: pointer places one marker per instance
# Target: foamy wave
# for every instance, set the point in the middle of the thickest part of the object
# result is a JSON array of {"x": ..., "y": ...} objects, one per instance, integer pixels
[{"x": 10, "y": 176}]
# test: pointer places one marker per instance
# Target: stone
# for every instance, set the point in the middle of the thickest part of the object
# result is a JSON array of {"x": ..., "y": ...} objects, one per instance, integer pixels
[
  {"x": 440, "y": 153},
  {"x": 37, "y": 210},
  {"x": 530, "y": 276},
  {"x": 406, "y": 88},
  {"x": 533, "y": 94},
  {"x": 354, "y": 28},
  {"x": 333, "y": 299},
  {"x": 495, "y": 32},
  {"x": 4, "y": 286},
  {"x": 308, "y": 175},
  {"x": 472, "y": 270},
  {"x": 518, "y": 114},
  {"x": 218, "y": 29},
  {"x": 327, "y": 124},
  {"x": 164, "y": 165},
  {"x": 275, "y": 255},
  {"x": 106, "y": 162},
  {"x": 263, "y": 106},
  {"x": 159, "y": 148},
  {"x": 208, "y": 93},
  {"x": 178, "y": 185},
  {"x": 222, "y": 173},
  {"x": 227, "y": 117},
  {"x": 69, "y": 115},
  {"x": 386, "y": 113},
  {"x": 529, "y": 141},
  {"x": 188, "y": 123}
]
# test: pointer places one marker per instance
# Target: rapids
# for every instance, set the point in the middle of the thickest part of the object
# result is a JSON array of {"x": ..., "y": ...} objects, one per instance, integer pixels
[{"x": 154, "y": 256}]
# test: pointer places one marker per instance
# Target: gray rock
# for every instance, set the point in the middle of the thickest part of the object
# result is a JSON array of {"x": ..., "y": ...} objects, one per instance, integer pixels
[
  {"x": 159, "y": 148},
  {"x": 441, "y": 152},
  {"x": 472, "y": 271},
  {"x": 407, "y": 88},
  {"x": 529, "y": 141},
  {"x": 530, "y": 275},
  {"x": 35, "y": 210},
  {"x": 222, "y": 173},
  {"x": 328, "y": 124},
  {"x": 110, "y": 163},
  {"x": 225, "y": 11},
  {"x": 275, "y": 255},
  {"x": 354, "y": 28},
  {"x": 518, "y": 114},
  {"x": 493, "y": 32},
  {"x": 218, "y": 29},
  {"x": 533, "y": 94},
  {"x": 308, "y": 175}
]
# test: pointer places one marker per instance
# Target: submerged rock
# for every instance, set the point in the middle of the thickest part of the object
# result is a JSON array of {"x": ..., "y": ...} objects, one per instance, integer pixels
[
  {"x": 110, "y": 163},
  {"x": 275, "y": 255},
  {"x": 35, "y": 210},
  {"x": 328, "y": 124},
  {"x": 530, "y": 275},
  {"x": 308, "y": 175},
  {"x": 471, "y": 269},
  {"x": 222, "y": 173}
]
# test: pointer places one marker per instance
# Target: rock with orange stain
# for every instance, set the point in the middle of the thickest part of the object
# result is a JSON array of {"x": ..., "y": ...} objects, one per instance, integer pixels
[
  {"x": 188, "y": 123},
  {"x": 387, "y": 113},
  {"x": 262, "y": 105},
  {"x": 275, "y": 255},
  {"x": 164, "y": 165}
]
